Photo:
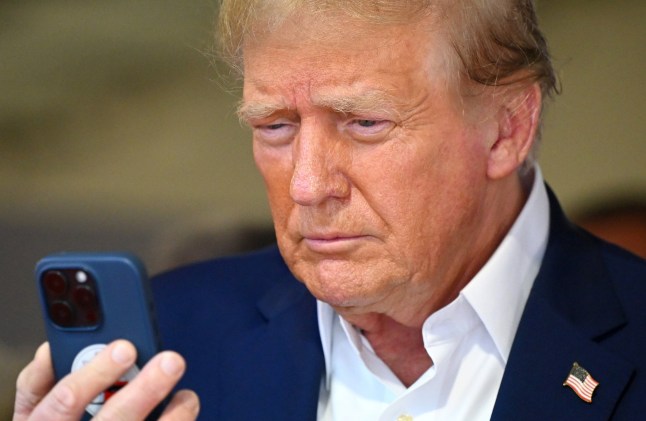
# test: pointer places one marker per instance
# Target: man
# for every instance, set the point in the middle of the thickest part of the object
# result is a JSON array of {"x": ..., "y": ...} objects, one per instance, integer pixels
[{"x": 438, "y": 276}]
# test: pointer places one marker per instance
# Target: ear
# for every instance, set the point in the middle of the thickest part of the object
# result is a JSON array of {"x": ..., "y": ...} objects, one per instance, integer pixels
[{"x": 518, "y": 116}]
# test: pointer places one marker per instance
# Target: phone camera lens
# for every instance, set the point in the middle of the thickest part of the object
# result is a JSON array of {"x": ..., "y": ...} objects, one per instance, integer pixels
[
  {"x": 55, "y": 283},
  {"x": 84, "y": 296},
  {"x": 61, "y": 313},
  {"x": 91, "y": 317}
]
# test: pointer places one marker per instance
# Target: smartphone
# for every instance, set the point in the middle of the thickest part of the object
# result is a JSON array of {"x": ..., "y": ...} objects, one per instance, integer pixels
[{"x": 89, "y": 300}]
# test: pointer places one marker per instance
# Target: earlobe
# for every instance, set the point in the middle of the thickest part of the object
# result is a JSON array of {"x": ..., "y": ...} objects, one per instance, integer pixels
[{"x": 517, "y": 127}]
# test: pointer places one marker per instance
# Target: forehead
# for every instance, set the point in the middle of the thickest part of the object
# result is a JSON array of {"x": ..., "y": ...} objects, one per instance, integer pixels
[{"x": 322, "y": 56}]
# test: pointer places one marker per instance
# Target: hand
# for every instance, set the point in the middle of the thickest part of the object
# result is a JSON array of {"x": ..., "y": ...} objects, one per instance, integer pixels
[{"x": 38, "y": 397}]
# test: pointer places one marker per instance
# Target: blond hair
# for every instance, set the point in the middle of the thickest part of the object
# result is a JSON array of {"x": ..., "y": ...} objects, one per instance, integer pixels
[{"x": 496, "y": 42}]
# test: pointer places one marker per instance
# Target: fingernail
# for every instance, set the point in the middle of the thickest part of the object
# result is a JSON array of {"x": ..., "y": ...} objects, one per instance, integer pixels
[
  {"x": 42, "y": 350},
  {"x": 171, "y": 365},
  {"x": 65, "y": 396},
  {"x": 189, "y": 400},
  {"x": 122, "y": 354}
]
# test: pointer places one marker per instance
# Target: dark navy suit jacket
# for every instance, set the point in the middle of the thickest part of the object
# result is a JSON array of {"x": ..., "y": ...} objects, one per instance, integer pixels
[{"x": 249, "y": 333}]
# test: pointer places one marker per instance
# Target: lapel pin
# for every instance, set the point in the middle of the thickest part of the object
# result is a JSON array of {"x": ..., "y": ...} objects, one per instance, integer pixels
[{"x": 581, "y": 382}]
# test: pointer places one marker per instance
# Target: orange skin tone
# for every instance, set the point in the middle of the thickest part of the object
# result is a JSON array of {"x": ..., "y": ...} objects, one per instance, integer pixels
[{"x": 388, "y": 188}]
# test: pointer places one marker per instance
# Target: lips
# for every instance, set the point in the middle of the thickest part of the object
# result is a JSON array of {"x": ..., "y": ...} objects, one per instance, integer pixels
[{"x": 333, "y": 243}]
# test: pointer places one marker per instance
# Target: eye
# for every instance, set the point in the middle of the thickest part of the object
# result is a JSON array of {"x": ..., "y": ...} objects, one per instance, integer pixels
[
  {"x": 276, "y": 126},
  {"x": 275, "y": 133},
  {"x": 367, "y": 123},
  {"x": 369, "y": 130}
]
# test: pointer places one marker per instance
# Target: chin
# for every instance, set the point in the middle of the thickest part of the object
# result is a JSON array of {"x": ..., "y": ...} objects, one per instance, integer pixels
[
  {"x": 357, "y": 280},
  {"x": 341, "y": 291},
  {"x": 337, "y": 298}
]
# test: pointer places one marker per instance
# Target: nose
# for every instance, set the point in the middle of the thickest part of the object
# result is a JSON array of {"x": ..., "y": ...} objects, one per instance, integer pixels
[{"x": 319, "y": 158}]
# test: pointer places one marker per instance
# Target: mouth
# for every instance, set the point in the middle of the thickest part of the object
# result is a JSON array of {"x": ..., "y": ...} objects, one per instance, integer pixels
[{"x": 333, "y": 243}]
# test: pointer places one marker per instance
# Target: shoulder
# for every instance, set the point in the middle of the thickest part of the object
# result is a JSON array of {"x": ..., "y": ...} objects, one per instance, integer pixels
[
  {"x": 586, "y": 305},
  {"x": 253, "y": 272},
  {"x": 626, "y": 271},
  {"x": 628, "y": 275},
  {"x": 222, "y": 293},
  {"x": 622, "y": 261},
  {"x": 260, "y": 261},
  {"x": 583, "y": 265},
  {"x": 241, "y": 323},
  {"x": 578, "y": 263},
  {"x": 594, "y": 283}
]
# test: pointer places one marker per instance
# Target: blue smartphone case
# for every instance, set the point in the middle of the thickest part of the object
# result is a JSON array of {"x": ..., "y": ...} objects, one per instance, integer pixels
[{"x": 123, "y": 296}]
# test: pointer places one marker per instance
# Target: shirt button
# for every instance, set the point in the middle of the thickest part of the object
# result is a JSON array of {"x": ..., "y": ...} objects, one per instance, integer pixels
[{"x": 404, "y": 417}]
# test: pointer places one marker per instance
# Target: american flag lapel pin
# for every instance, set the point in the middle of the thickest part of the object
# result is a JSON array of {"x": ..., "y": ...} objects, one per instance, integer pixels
[{"x": 581, "y": 382}]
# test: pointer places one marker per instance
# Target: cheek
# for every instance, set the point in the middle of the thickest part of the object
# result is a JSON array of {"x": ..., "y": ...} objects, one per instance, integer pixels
[
  {"x": 276, "y": 170},
  {"x": 397, "y": 181},
  {"x": 422, "y": 193}
]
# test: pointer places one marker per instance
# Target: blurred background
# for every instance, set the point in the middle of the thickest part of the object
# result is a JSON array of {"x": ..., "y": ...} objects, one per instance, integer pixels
[{"x": 116, "y": 133}]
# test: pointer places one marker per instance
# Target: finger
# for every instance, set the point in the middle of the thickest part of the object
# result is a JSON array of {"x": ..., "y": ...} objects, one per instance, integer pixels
[
  {"x": 185, "y": 405},
  {"x": 33, "y": 383},
  {"x": 136, "y": 400},
  {"x": 69, "y": 397}
]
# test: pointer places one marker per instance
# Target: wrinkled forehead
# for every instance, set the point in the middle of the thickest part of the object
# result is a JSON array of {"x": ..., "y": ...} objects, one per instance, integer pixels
[
  {"x": 328, "y": 30},
  {"x": 314, "y": 44},
  {"x": 334, "y": 19},
  {"x": 272, "y": 12},
  {"x": 344, "y": 63}
]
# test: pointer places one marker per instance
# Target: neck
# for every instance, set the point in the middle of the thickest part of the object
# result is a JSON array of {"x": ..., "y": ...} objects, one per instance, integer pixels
[
  {"x": 395, "y": 330},
  {"x": 400, "y": 347}
]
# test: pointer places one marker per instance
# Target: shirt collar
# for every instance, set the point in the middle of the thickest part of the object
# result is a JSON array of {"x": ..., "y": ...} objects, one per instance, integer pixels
[
  {"x": 326, "y": 315},
  {"x": 499, "y": 291}
]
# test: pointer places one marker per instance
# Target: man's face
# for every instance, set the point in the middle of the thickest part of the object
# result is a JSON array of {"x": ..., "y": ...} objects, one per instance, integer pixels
[{"x": 374, "y": 165}]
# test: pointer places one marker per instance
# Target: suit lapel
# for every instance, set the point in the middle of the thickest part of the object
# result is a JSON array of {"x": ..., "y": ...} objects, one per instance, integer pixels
[
  {"x": 571, "y": 308},
  {"x": 282, "y": 377},
  {"x": 544, "y": 350}
]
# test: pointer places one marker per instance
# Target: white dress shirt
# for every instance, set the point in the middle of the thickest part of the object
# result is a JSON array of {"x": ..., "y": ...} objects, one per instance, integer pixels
[{"x": 468, "y": 341}]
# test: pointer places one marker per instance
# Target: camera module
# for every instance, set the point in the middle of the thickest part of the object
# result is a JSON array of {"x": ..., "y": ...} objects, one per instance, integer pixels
[
  {"x": 62, "y": 313},
  {"x": 71, "y": 298},
  {"x": 55, "y": 283}
]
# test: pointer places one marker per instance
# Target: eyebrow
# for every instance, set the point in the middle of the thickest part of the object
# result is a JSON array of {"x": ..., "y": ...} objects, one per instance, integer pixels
[
  {"x": 373, "y": 101},
  {"x": 257, "y": 110},
  {"x": 367, "y": 102}
]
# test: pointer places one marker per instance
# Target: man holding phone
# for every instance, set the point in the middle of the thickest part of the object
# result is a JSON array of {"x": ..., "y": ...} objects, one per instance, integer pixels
[{"x": 439, "y": 278}]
